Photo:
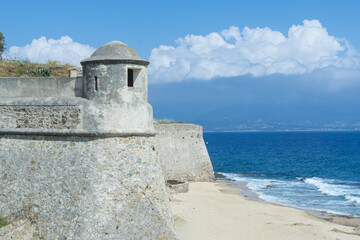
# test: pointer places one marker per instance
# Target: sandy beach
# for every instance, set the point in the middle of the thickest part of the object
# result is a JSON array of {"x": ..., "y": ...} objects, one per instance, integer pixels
[{"x": 215, "y": 211}]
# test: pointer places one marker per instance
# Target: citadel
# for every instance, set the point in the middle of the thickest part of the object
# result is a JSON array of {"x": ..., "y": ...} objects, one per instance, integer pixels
[{"x": 81, "y": 157}]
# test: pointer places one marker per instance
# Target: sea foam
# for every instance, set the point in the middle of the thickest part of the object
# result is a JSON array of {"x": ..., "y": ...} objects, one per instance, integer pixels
[{"x": 329, "y": 187}]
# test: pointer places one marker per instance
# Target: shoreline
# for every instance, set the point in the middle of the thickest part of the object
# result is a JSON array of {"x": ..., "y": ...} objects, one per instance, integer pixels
[
  {"x": 248, "y": 192},
  {"x": 219, "y": 211},
  {"x": 341, "y": 219}
]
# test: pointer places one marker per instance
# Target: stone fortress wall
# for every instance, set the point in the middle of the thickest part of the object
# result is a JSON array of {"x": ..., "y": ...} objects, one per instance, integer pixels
[
  {"x": 78, "y": 156},
  {"x": 85, "y": 187},
  {"x": 183, "y": 153}
]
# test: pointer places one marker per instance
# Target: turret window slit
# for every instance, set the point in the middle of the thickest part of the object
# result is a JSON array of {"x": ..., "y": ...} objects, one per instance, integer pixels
[
  {"x": 130, "y": 76},
  {"x": 96, "y": 84}
]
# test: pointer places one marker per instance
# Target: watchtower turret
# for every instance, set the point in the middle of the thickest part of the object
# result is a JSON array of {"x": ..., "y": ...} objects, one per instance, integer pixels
[
  {"x": 111, "y": 71},
  {"x": 116, "y": 77}
]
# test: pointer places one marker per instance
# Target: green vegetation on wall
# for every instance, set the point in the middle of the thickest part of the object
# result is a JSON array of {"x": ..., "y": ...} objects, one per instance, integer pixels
[
  {"x": 3, "y": 222},
  {"x": 40, "y": 72},
  {"x": 28, "y": 69},
  {"x": 2, "y": 44}
]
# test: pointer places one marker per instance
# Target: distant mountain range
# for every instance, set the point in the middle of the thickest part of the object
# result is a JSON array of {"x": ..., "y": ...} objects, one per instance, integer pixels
[
  {"x": 280, "y": 118},
  {"x": 273, "y": 103},
  {"x": 260, "y": 125}
]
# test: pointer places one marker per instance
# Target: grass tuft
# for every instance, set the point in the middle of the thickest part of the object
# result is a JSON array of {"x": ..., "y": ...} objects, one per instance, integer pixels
[{"x": 3, "y": 222}]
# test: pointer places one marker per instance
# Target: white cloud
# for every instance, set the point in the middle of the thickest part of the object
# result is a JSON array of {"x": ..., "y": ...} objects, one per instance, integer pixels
[
  {"x": 42, "y": 50},
  {"x": 257, "y": 51}
]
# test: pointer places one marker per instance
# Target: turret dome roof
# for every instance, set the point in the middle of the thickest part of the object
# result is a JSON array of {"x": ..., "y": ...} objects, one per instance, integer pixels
[{"x": 115, "y": 51}]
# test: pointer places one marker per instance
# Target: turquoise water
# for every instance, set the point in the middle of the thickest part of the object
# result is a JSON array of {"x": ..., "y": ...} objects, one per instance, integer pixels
[{"x": 311, "y": 170}]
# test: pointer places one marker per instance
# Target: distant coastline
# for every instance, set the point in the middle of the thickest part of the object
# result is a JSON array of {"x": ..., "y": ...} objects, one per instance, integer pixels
[{"x": 285, "y": 130}]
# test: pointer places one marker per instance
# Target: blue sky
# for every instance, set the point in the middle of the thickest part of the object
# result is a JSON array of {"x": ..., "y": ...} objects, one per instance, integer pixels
[
  {"x": 222, "y": 60},
  {"x": 145, "y": 25}
]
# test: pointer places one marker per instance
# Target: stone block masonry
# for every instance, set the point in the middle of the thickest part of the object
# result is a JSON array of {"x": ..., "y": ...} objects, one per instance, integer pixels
[
  {"x": 39, "y": 117},
  {"x": 84, "y": 187}
]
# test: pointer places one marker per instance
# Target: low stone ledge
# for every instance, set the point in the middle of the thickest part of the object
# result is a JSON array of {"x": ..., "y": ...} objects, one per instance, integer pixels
[{"x": 57, "y": 132}]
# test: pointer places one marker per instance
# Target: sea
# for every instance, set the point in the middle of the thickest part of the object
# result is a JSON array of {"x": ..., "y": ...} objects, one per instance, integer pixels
[{"x": 308, "y": 170}]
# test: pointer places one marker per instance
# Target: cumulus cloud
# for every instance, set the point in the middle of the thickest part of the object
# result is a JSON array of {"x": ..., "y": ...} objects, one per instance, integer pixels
[
  {"x": 254, "y": 51},
  {"x": 42, "y": 50}
]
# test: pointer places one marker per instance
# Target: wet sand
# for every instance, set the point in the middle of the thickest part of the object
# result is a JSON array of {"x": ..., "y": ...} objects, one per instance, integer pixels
[{"x": 215, "y": 211}]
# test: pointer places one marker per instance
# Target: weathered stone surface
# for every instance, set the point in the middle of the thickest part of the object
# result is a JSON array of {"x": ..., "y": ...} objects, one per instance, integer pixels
[
  {"x": 182, "y": 152},
  {"x": 75, "y": 72},
  {"x": 86, "y": 188},
  {"x": 177, "y": 187},
  {"x": 39, "y": 117},
  {"x": 117, "y": 51},
  {"x": 20, "y": 230},
  {"x": 36, "y": 87}
]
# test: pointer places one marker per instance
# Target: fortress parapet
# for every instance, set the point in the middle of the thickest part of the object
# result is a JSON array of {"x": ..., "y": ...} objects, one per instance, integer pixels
[{"x": 109, "y": 100}]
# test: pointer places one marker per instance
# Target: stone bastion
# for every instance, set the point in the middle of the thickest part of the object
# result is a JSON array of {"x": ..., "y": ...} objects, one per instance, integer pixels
[
  {"x": 79, "y": 157},
  {"x": 182, "y": 152}
]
